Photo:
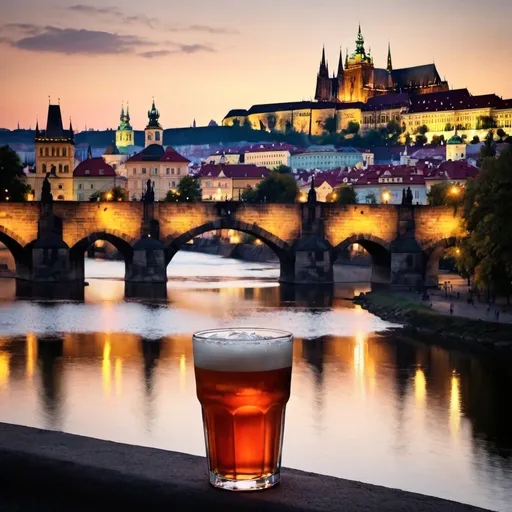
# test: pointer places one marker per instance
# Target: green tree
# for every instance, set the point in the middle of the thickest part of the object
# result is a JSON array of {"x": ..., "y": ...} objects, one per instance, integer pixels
[
  {"x": 421, "y": 129},
  {"x": 353, "y": 127},
  {"x": 330, "y": 124},
  {"x": 485, "y": 123},
  {"x": 488, "y": 150},
  {"x": 465, "y": 259},
  {"x": 283, "y": 169},
  {"x": 500, "y": 132},
  {"x": 420, "y": 140},
  {"x": 346, "y": 195},
  {"x": 188, "y": 191},
  {"x": 393, "y": 130},
  {"x": 486, "y": 212},
  {"x": 448, "y": 127},
  {"x": 275, "y": 188},
  {"x": 446, "y": 194},
  {"x": 12, "y": 177},
  {"x": 371, "y": 198},
  {"x": 437, "y": 140},
  {"x": 114, "y": 194}
]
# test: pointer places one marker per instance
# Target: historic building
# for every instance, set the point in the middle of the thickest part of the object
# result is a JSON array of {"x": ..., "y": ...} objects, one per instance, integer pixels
[
  {"x": 326, "y": 158},
  {"x": 360, "y": 80},
  {"x": 92, "y": 177},
  {"x": 125, "y": 137},
  {"x": 54, "y": 154},
  {"x": 153, "y": 133}
]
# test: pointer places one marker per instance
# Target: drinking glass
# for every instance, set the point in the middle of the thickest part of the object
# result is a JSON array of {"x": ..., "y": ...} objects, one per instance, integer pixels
[{"x": 243, "y": 384}]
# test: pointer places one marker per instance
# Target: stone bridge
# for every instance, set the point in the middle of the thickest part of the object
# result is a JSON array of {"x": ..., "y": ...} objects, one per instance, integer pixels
[{"x": 405, "y": 242}]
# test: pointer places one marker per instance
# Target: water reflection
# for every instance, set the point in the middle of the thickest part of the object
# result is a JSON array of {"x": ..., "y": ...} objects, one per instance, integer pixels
[{"x": 378, "y": 408}]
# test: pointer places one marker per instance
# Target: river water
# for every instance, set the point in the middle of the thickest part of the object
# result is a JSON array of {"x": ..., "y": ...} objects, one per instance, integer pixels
[{"x": 379, "y": 408}]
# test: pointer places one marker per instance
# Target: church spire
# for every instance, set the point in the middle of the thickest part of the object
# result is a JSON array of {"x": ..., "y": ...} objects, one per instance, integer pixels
[
  {"x": 127, "y": 113},
  {"x": 389, "y": 67},
  {"x": 340, "y": 64},
  {"x": 121, "y": 117},
  {"x": 324, "y": 70},
  {"x": 360, "y": 42},
  {"x": 346, "y": 59}
]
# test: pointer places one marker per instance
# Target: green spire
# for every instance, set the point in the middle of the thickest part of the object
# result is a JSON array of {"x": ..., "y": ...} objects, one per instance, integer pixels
[{"x": 360, "y": 43}]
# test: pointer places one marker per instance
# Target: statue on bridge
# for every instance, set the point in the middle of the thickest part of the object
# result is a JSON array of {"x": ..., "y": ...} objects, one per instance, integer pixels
[
  {"x": 407, "y": 196},
  {"x": 46, "y": 191},
  {"x": 149, "y": 196},
  {"x": 312, "y": 191}
]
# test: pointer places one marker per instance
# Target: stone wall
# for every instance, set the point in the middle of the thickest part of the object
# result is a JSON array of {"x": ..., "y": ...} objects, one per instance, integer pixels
[
  {"x": 342, "y": 222},
  {"x": 19, "y": 221},
  {"x": 436, "y": 223}
]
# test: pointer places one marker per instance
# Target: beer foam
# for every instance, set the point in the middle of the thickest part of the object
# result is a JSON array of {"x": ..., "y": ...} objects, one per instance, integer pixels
[{"x": 243, "y": 350}]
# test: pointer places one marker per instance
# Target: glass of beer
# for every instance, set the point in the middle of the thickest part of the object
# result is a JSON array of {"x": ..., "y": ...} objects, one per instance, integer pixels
[{"x": 243, "y": 383}]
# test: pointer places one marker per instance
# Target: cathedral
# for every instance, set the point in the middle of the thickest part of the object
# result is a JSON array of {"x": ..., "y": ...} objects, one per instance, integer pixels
[{"x": 358, "y": 80}]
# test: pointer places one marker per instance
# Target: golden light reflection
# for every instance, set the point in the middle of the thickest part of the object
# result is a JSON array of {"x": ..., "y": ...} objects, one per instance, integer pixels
[
  {"x": 359, "y": 354},
  {"x": 5, "y": 369},
  {"x": 420, "y": 387},
  {"x": 31, "y": 354},
  {"x": 455, "y": 404},
  {"x": 106, "y": 367},
  {"x": 118, "y": 375},
  {"x": 183, "y": 370}
]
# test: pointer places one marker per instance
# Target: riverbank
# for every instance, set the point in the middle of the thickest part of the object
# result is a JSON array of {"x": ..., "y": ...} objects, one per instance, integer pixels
[{"x": 421, "y": 319}]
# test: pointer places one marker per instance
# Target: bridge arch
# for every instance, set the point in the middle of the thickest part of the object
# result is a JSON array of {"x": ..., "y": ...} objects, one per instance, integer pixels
[
  {"x": 278, "y": 246},
  {"x": 378, "y": 249},
  {"x": 433, "y": 254},
  {"x": 17, "y": 247},
  {"x": 122, "y": 242}
]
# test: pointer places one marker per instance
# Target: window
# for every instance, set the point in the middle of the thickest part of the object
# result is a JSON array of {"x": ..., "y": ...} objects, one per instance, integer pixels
[
  {"x": 154, "y": 171},
  {"x": 60, "y": 198},
  {"x": 92, "y": 186},
  {"x": 64, "y": 152},
  {"x": 80, "y": 186},
  {"x": 60, "y": 168},
  {"x": 40, "y": 151},
  {"x": 87, "y": 172},
  {"x": 60, "y": 187},
  {"x": 102, "y": 172},
  {"x": 143, "y": 170},
  {"x": 150, "y": 137},
  {"x": 157, "y": 136},
  {"x": 44, "y": 168},
  {"x": 178, "y": 171},
  {"x": 53, "y": 151},
  {"x": 417, "y": 194},
  {"x": 172, "y": 170},
  {"x": 167, "y": 171},
  {"x": 80, "y": 197},
  {"x": 173, "y": 184},
  {"x": 66, "y": 168},
  {"x": 46, "y": 152},
  {"x": 134, "y": 171}
]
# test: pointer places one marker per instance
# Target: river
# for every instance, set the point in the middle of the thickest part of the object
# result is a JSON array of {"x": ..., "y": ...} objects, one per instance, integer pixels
[{"x": 379, "y": 408}]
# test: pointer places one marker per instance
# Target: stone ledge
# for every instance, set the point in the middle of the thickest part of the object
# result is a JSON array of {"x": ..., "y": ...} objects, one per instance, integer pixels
[{"x": 45, "y": 470}]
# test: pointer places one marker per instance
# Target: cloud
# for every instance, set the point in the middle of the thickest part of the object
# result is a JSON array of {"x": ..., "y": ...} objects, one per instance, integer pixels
[
  {"x": 143, "y": 19},
  {"x": 27, "y": 28},
  {"x": 180, "y": 48},
  {"x": 72, "y": 41}
]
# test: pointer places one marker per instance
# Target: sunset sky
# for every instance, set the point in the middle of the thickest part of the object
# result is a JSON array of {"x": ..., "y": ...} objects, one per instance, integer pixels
[{"x": 201, "y": 58}]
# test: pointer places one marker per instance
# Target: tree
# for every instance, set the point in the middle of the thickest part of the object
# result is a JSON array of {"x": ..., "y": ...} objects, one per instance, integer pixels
[
  {"x": 500, "y": 132},
  {"x": 371, "y": 198},
  {"x": 421, "y": 129},
  {"x": 488, "y": 150},
  {"x": 283, "y": 169},
  {"x": 330, "y": 124},
  {"x": 446, "y": 194},
  {"x": 393, "y": 129},
  {"x": 485, "y": 123},
  {"x": 475, "y": 140},
  {"x": 275, "y": 188},
  {"x": 437, "y": 140},
  {"x": 448, "y": 127},
  {"x": 346, "y": 195},
  {"x": 486, "y": 213},
  {"x": 353, "y": 127},
  {"x": 465, "y": 259},
  {"x": 114, "y": 194},
  {"x": 188, "y": 191},
  {"x": 420, "y": 140},
  {"x": 12, "y": 177}
]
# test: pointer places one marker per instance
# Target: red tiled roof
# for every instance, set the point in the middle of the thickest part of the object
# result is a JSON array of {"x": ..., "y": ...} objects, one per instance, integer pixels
[
  {"x": 408, "y": 175},
  {"x": 94, "y": 167},
  {"x": 233, "y": 171},
  {"x": 156, "y": 153},
  {"x": 449, "y": 170},
  {"x": 278, "y": 146}
]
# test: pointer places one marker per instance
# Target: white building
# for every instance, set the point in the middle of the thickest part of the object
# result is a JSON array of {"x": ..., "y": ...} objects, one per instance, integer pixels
[{"x": 326, "y": 158}]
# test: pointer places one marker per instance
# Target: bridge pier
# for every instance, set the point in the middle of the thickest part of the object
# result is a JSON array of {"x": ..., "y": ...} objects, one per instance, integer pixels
[{"x": 148, "y": 264}]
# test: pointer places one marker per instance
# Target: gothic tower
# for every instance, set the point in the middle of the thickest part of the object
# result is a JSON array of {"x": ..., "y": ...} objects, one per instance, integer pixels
[
  {"x": 124, "y": 134},
  {"x": 55, "y": 154},
  {"x": 323, "y": 81},
  {"x": 154, "y": 133}
]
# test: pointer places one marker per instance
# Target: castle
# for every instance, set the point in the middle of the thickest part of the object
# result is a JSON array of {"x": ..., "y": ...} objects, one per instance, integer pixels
[{"x": 360, "y": 80}]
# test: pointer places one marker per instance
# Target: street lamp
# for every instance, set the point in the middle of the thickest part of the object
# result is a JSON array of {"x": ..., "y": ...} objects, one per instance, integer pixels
[
  {"x": 109, "y": 196},
  {"x": 386, "y": 196},
  {"x": 454, "y": 191}
]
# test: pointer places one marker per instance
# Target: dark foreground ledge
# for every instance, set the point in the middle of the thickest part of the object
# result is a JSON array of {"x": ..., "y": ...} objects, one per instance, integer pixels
[{"x": 43, "y": 470}]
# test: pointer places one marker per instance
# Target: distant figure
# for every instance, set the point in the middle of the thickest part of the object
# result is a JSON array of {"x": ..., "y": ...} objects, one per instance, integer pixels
[
  {"x": 46, "y": 191},
  {"x": 404, "y": 199},
  {"x": 497, "y": 313},
  {"x": 452, "y": 307},
  {"x": 409, "y": 196},
  {"x": 149, "y": 196}
]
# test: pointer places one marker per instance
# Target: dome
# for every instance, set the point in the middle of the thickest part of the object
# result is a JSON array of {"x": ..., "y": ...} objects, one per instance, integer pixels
[
  {"x": 455, "y": 139},
  {"x": 153, "y": 150}
]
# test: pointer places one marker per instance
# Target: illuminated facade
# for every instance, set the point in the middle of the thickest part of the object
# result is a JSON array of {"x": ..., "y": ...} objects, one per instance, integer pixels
[
  {"x": 55, "y": 154},
  {"x": 125, "y": 137}
]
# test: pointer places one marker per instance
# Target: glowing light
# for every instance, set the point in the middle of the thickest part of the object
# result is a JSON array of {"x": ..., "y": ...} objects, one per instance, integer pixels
[
  {"x": 455, "y": 404},
  {"x": 420, "y": 387},
  {"x": 457, "y": 251},
  {"x": 5, "y": 369},
  {"x": 31, "y": 354},
  {"x": 386, "y": 196},
  {"x": 454, "y": 191},
  {"x": 109, "y": 196},
  {"x": 118, "y": 374},
  {"x": 106, "y": 367},
  {"x": 183, "y": 370},
  {"x": 359, "y": 354}
]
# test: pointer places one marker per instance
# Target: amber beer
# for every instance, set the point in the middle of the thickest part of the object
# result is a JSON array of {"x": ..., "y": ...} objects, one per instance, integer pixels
[{"x": 243, "y": 383}]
